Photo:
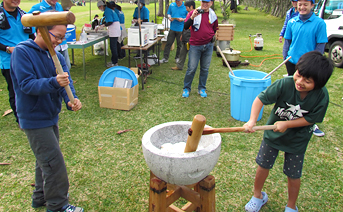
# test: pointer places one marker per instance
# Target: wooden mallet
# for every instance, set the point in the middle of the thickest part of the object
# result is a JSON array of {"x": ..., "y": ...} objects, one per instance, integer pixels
[
  {"x": 197, "y": 128},
  {"x": 41, "y": 21}
]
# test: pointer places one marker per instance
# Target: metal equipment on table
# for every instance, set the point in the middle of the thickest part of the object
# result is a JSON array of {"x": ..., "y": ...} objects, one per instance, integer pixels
[{"x": 145, "y": 71}]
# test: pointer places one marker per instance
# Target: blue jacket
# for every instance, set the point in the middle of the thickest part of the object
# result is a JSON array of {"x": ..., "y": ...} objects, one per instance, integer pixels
[
  {"x": 290, "y": 14},
  {"x": 38, "y": 94}
]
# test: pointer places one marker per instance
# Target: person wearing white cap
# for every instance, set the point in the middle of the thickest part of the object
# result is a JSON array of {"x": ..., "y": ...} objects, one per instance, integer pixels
[{"x": 114, "y": 32}]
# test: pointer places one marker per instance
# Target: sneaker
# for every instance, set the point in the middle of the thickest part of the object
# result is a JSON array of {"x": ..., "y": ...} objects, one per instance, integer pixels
[
  {"x": 177, "y": 60},
  {"x": 317, "y": 131},
  {"x": 109, "y": 65},
  {"x": 185, "y": 93},
  {"x": 38, "y": 204},
  {"x": 202, "y": 93},
  {"x": 164, "y": 60},
  {"x": 67, "y": 208}
]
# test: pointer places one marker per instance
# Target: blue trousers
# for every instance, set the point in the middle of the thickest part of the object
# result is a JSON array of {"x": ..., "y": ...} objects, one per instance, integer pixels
[{"x": 203, "y": 54}]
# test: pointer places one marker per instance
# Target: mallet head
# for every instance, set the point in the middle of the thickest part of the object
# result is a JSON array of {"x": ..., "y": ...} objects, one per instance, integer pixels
[
  {"x": 38, "y": 19},
  {"x": 195, "y": 132}
]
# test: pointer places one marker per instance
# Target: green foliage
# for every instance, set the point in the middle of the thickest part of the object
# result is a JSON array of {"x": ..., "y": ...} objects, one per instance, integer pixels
[{"x": 107, "y": 171}]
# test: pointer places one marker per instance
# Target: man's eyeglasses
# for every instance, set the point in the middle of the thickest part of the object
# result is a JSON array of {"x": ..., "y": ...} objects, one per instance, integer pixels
[{"x": 58, "y": 38}]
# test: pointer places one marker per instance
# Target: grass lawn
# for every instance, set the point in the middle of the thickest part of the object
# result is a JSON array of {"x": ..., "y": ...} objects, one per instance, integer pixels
[{"x": 107, "y": 171}]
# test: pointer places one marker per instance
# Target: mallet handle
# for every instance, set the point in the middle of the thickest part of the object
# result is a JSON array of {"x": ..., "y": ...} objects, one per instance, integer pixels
[
  {"x": 45, "y": 35},
  {"x": 208, "y": 130}
]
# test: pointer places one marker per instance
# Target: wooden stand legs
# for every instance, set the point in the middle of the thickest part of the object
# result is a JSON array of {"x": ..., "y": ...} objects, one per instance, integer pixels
[{"x": 162, "y": 195}]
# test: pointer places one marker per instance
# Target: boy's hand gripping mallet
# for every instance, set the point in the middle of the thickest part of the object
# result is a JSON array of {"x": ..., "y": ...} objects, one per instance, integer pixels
[{"x": 41, "y": 21}]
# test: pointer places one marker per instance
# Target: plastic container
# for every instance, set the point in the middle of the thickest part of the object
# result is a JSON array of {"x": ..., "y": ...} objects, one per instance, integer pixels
[
  {"x": 152, "y": 29},
  {"x": 107, "y": 78},
  {"x": 83, "y": 36},
  {"x": 246, "y": 85},
  {"x": 133, "y": 36},
  {"x": 70, "y": 34}
]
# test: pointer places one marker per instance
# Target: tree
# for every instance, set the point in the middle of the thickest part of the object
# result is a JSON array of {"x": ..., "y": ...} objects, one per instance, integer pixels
[
  {"x": 276, "y": 8},
  {"x": 224, "y": 4},
  {"x": 160, "y": 8}
]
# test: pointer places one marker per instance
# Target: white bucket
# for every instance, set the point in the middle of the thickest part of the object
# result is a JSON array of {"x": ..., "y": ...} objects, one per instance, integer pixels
[{"x": 70, "y": 34}]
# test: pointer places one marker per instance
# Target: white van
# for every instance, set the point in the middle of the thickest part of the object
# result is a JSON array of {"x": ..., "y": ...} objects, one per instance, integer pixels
[{"x": 332, "y": 13}]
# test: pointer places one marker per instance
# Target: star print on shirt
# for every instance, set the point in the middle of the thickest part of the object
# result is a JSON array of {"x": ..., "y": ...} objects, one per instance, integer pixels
[{"x": 291, "y": 113}]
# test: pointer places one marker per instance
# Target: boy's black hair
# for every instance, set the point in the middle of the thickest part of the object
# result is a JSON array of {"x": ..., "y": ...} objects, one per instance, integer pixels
[
  {"x": 316, "y": 66},
  {"x": 51, "y": 27},
  {"x": 189, "y": 4}
]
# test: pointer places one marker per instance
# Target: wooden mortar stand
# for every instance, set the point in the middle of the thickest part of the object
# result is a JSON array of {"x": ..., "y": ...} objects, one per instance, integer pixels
[{"x": 200, "y": 195}]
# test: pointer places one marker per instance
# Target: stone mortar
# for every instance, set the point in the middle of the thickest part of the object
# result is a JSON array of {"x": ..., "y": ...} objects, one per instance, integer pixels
[{"x": 179, "y": 168}]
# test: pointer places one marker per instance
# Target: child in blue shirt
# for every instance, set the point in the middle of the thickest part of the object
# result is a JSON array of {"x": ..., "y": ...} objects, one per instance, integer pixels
[{"x": 304, "y": 33}]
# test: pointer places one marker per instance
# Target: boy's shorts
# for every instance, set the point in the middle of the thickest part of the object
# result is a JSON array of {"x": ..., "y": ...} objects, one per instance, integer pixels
[{"x": 293, "y": 163}]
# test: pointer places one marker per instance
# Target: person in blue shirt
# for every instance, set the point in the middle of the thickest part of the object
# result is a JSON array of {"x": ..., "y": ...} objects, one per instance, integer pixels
[
  {"x": 53, "y": 5},
  {"x": 144, "y": 12},
  {"x": 176, "y": 14},
  {"x": 304, "y": 33},
  {"x": 291, "y": 13},
  {"x": 121, "y": 16},
  {"x": 39, "y": 92},
  {"x": 113, "y": 25},
  {"x": 12, "y": 32}
]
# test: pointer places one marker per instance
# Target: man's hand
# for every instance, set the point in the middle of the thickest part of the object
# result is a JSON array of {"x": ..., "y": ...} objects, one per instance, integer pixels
[
  {"x": 11, "y": 49},
  {"x": 76, "y": 106},
  {"x": 194, "y": 14},
  {"x": 180, "y": 19},
  {"x": 63, "y": 79}
]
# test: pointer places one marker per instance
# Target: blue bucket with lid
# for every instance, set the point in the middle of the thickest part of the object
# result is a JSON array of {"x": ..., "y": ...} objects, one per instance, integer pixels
[
  {"x": 107, "y": 78},
  {"x": 70, "y": 33},
  {"x": 246, "y": 85}
]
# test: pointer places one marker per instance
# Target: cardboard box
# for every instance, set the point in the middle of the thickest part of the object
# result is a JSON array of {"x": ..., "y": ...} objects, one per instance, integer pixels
[
  {"x": 164, "y": 45},
  {"x": 119, "y": 98}
]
